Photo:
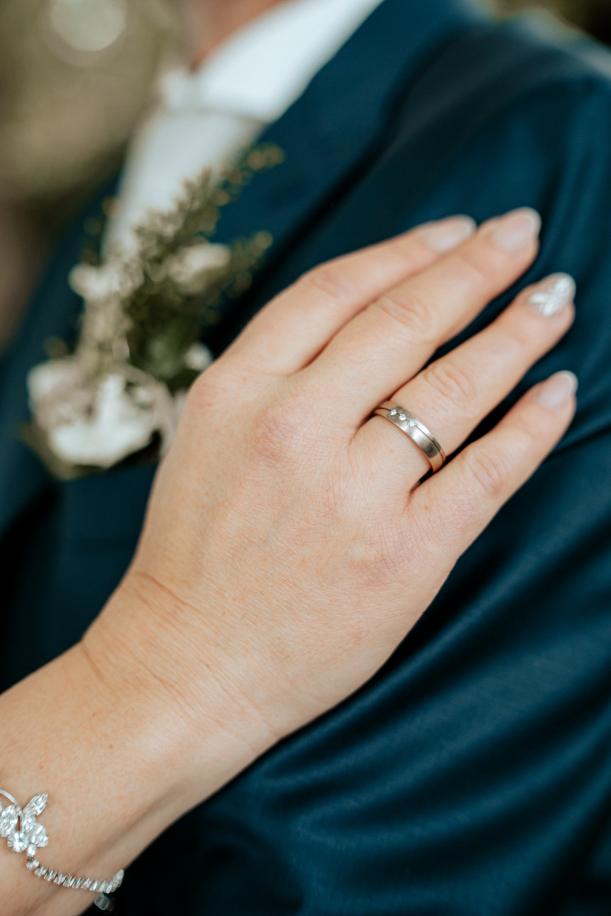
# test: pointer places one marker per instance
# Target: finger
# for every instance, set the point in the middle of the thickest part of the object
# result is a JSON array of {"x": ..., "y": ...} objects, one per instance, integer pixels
[
  {"x": 389, "y": 342},
  {"x": 454, "y": 393},
  {"x": 461, "y": 500},
  {"x": 289, "y": 332}
]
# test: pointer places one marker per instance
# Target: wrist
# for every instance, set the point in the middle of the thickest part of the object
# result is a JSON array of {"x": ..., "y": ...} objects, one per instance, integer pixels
[
  {"x": 107, "y": 767},
  {"x": 200, "y": 730}
]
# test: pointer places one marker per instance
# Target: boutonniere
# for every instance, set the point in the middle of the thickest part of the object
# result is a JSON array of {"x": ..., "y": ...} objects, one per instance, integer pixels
[{"x": 118, "y": 394}]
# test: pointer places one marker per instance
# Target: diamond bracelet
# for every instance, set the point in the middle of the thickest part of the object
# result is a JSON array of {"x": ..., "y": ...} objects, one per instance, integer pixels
[{"x": 23, "y": 833}]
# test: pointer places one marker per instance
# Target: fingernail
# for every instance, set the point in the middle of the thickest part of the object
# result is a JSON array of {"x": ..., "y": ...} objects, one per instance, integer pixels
[
  {"x": 516, "y": 230},
  {"x": 552, "y": 295},
  {"x": 448, "y": 234},
  {"x": 557, "y": 390}
]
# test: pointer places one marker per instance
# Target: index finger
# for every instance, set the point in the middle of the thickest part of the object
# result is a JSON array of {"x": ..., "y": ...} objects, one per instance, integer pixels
[{"x": 289, "y": 332}]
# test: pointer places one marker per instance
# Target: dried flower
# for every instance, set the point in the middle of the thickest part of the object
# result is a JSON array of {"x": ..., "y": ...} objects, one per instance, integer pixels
[{"x": 139, "y": 350}]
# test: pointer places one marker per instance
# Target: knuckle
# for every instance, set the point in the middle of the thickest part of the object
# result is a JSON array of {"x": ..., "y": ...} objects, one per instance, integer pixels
[
  {"x": 218, "y": 392},
  {"x": 411, "y": 252},
  {"x": 284, "y": 429},
  {"x": 329, "y": 280},
  {"x": 410, "y": 311},
  {"x": 525, "y": 430},
  {"x": 478, "y": 270},
  {"x": 521, "y": 345},
  {"x": 453, "y": 384},
  {"x": 513, "y": 344},
  {"x": 490, "y": 470},
  {"x": 204, "y": 391}
]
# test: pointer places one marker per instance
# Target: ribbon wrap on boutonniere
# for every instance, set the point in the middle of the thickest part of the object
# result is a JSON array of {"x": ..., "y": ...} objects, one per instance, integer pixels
[{"x": 118, "y": 395}]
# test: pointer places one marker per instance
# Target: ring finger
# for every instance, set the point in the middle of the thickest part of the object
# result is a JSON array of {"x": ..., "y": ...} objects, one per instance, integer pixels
[
  {"x": 454, "y": 393},
  {"x": 390, "y": 340}
]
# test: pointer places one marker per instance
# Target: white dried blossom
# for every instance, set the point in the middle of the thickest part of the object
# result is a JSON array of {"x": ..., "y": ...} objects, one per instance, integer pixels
[
  {"x": 106, "y": 281},
  {"x": 58, "y": 391},
  {"x": 116, "y": 393},
  {"x": 99, "y": 424},
  {"x": 122, "y": 420},
  {"x": 198, "y": 357},
  {"x": 191, "y": 267}
]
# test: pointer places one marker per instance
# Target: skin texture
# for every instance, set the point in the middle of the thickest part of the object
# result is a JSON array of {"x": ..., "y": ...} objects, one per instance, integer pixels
[
  {"x": 315, "y": 507},
  {"x": 292, "y": 540}
]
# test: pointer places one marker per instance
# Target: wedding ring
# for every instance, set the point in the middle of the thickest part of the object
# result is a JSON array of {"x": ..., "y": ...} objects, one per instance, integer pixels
[{"x": 415, "y": 430}]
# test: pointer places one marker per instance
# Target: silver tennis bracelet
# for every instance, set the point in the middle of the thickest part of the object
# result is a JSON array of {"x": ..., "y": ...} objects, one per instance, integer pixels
[{"x": 24, "y": 835}]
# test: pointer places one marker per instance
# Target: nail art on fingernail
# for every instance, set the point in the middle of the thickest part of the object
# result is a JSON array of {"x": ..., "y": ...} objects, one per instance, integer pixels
[
  {"x": 516, "y": 230},
  {"x": 557, "y": 390},
  {"x": 448, "y": 234},
  {"x": 552, "y": 295}
]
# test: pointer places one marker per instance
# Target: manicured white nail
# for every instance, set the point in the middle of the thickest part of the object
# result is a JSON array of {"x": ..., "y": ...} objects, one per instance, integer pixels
[
  {"x": 448, "y": 234},
  {"x": 557, "y": 390},
  {"x": 517, "y": 230},
  {"x": 552, "y": 295}
]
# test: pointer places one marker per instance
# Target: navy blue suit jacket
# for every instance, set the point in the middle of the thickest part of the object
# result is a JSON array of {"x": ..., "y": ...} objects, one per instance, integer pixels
[{"x": 472, "y": 776}]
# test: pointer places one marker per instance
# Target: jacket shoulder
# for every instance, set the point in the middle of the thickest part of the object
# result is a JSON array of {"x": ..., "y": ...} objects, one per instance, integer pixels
[{"x": 528, "y": 64}]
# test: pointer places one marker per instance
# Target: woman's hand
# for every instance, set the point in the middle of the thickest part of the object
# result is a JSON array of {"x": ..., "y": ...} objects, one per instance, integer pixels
[{"x": 291, "y": 541}]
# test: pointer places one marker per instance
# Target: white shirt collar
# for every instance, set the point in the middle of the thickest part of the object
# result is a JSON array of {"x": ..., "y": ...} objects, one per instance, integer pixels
[{"x": 265, "y": 66}]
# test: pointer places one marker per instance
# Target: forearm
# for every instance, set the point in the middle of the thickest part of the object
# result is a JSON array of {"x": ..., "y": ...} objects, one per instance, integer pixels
[{"x": 118, "y": 764}]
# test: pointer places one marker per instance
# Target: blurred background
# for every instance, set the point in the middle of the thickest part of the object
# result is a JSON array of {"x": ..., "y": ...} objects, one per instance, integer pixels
[{"x": 74, "y": 76}]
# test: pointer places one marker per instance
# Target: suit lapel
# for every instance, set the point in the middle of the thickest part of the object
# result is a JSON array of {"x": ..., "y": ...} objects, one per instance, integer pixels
[
  {"x": 339, "y": 120},
  {"x": 336, "y": 124},
  {"x": 54, "y": 313}
]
